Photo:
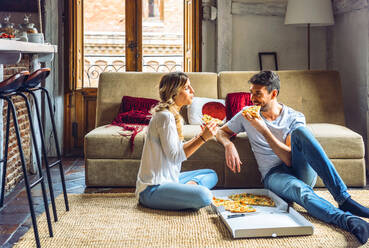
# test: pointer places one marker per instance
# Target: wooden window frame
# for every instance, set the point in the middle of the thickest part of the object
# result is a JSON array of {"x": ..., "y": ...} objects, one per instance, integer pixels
[{"x": 192, "y": 36}]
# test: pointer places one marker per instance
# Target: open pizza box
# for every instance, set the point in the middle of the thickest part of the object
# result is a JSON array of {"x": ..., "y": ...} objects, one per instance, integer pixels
[{"x": 277, "y": 221}]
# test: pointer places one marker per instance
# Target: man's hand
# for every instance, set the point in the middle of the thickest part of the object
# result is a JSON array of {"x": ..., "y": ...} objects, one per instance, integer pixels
[
  {"x": 232, "y": 158},
  {"x": 282, "y": 150},
  {"x": 231, "y": 155},
  {"x": 257, "y": 122}
]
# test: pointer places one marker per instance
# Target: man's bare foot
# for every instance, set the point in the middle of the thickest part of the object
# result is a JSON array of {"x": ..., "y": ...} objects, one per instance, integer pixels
[{"x": 192, "y": 182}]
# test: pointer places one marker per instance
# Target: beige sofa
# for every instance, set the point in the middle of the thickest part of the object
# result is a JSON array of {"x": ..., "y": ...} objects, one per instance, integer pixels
[{"x": 109, "y": 161}]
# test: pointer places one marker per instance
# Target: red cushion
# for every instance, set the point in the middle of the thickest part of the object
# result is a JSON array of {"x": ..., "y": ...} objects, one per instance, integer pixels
[
  {"x": 134, "y": 114},
  {"x": 235, "y": 102},
  {"x": 136, "y": 103},
  {"x": 134, "y": 110},
  {"x": 214, "y": 109},
  {"x": 132, "y": 117}
]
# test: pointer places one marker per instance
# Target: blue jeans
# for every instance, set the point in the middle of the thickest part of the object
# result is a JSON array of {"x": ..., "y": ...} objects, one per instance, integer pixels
[
  {"x": 178, "y": 196},
  {"x": 295, "y": 183}
]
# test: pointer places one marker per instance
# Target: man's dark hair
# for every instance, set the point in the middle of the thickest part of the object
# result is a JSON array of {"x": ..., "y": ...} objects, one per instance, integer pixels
[{"x": 268, "y": 79}]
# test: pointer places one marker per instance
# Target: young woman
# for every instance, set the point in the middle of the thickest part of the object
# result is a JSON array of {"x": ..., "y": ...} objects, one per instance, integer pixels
[{"x": 160, "y": 184}]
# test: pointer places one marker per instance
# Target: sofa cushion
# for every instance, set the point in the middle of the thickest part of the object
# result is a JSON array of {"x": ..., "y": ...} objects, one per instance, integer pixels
[
  {"x": 111, "y": 172},
  {"x": 353, "y": 175},
  {"x": 132, "y": 117},
  {"x": 235, "y": 102},
  {"x": 338, "y": 141},
  {"x": 195, "y": 111},
  {"x": 215, "y": 110},
  {"x": 143, "y": 104},
  {"x": 107, "y": 142}
]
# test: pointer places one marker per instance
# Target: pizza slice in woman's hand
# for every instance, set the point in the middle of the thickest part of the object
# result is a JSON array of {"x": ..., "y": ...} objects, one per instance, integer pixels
[
  {"x": 213, "y": 112},
  {"x": 207, "y": 119}
]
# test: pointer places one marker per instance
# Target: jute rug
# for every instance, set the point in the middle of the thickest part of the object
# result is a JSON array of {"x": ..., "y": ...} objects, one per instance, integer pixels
[{"x": 116, "y": 220}]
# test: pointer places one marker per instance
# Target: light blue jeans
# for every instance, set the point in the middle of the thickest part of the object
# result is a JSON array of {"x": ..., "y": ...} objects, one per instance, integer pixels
[
  {"x": 295, "y": 183},
  {"x": 179, "y": 196}
]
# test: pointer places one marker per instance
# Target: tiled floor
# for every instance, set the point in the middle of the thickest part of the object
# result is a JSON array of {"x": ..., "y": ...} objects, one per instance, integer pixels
[{"x": 15, "y": 218}]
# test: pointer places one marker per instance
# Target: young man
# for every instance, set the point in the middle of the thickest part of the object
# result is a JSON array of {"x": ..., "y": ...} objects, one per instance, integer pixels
[{"x": 289, "y": 157}]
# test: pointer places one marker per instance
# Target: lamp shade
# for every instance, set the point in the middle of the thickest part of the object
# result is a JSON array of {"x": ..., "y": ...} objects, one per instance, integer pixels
[{"x": 313, "y": 12}]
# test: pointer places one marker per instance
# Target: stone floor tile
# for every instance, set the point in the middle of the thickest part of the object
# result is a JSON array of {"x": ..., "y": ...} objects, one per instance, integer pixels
[
  {"x": 16, "y": 206},
  {"x": 8, "y": 229},
  {"x": 13, "y": 219},
  {"x": 3, "y": 239}
]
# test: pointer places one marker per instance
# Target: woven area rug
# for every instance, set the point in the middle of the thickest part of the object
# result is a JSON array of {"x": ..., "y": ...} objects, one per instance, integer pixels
[{"x": 116, "y": 220}]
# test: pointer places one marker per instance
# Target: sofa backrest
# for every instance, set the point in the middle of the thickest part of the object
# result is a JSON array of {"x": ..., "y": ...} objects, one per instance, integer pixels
[
  {"x": 114, "y": 85},
  {"x": 317, "y": 94}
]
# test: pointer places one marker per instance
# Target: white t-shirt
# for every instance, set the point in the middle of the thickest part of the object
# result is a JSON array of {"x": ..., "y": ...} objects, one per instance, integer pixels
[
  {"x": 285, "y": 123},
  {"x": 162, "y": 154}
]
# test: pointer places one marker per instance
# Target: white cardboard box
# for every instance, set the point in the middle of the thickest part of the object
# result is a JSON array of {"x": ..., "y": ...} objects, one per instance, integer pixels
[{"x": 280, "y": 220}]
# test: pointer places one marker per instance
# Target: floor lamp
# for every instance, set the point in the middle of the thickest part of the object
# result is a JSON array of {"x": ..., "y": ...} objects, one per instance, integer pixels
[{"x": 309, "y": 13}]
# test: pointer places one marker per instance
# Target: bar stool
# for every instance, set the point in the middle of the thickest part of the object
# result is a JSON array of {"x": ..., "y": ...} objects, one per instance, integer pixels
[
  {"x": 30, "y": 86},
  {"x": 8, "y": 89}
]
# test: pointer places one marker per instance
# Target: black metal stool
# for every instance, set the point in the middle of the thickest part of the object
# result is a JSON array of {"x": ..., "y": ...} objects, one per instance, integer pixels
[
  {"x": 8, "y": 89},
  {"x": 31, "y": 85}
]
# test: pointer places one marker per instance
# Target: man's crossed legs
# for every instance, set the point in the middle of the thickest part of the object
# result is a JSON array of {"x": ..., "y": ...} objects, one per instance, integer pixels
[{"x": 295, "y": 184}]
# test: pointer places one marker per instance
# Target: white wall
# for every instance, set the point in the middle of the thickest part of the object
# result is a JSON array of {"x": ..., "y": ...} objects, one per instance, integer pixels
[
  {"x": 256, "y": 33},
  {"x": 209, "y": 52},
  {"x": 258, "y": 26}
]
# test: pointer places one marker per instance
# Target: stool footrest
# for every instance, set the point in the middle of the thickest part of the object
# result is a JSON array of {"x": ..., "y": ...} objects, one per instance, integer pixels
[
  {"x": 55, "y": 163},
  {"x": 35, "y": 183}
]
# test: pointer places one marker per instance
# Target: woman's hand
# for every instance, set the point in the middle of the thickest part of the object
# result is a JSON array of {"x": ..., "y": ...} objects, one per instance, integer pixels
[{"x": 209, "y": 130}]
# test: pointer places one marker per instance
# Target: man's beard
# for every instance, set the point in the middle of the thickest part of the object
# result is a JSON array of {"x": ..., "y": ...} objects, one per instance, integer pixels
[{"x": 264, "y": 108}]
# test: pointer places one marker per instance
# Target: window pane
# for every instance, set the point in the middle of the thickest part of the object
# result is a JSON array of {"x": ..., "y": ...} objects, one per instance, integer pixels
[
  {"x": 104, "y": 38},
  {"x": 162, "y": 37}
]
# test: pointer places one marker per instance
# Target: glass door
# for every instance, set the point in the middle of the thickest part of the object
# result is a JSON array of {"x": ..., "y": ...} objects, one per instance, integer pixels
[
  {"x": 104, "y": 39},
  {"x": 162, "y": 35}
]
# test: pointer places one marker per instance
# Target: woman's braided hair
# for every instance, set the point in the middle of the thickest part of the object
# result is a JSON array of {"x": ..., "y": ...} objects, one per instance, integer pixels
[{"x": 169, "y": 86}]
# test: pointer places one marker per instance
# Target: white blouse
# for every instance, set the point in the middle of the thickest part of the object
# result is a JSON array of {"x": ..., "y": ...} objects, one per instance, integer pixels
[{"x": 162, "y": 154}]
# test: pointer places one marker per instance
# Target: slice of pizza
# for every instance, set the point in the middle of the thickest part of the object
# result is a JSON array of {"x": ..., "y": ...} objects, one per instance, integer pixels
[
  {"x": 252, "y": 110},
  {"x": 220, "y": 202},
  {"x": 252, "y": 199},
  {"x": 238, "y": 207},
  {"x": 237, "y": 197},
  {"x": 233, "y": 206},
  {"x": 243, "y": 209},
  {"x": 207, "y": 119},
  {"x": 260, "y": 201}
]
